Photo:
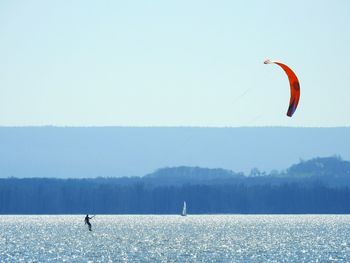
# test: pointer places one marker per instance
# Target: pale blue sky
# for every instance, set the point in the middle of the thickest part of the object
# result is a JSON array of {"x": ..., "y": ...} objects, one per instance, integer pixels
[{"x": 173, "y": 63}]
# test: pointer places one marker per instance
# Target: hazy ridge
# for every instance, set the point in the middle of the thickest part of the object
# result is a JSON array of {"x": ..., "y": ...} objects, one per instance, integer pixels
[{"x": 87, "y": 152}]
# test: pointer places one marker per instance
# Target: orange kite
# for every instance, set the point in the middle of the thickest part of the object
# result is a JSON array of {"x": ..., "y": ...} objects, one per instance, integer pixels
[{"x": 294, "y": 86}]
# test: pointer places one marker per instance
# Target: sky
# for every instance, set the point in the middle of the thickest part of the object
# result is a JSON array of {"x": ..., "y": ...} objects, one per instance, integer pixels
[{"x": 173, "y": 63}]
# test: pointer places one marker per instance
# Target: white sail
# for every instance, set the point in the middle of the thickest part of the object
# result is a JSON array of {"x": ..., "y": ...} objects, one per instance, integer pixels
[{"x": 184, "y": 212}]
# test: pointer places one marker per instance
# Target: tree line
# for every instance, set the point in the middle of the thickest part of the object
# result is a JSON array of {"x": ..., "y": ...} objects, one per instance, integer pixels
[
  {"x": 320, "y": 185},
  {"x": 95, "y": 196}
]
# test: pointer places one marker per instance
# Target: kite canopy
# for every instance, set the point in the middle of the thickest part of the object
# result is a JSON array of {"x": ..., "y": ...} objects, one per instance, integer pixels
[{"x": 294, "y": 86}]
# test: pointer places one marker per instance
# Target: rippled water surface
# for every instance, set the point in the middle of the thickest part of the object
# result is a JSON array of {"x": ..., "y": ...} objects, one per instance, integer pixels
[{"x": 205, "y": 238}]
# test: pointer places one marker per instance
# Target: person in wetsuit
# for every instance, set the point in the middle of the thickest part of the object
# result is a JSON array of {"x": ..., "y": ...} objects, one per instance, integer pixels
[{"x": 87, "y": 221}]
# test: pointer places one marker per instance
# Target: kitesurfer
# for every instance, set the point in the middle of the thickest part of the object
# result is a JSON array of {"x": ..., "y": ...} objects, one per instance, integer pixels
[{"x": 87, "y": 221}]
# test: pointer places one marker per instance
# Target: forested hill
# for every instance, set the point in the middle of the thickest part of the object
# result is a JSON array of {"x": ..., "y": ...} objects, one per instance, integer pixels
[
  {"x": 320, "y": 185},
  {"x": 190, "y": 175},
  {"x": 331, "y": 171},
  {"x": 321, "y": 167}
]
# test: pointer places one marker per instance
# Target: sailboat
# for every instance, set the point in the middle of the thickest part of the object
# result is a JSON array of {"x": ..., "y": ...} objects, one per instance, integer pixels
[{"x": 184, "y": 210}]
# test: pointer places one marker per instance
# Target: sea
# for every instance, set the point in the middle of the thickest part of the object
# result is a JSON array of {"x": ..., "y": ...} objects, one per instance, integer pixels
[{"x": 175, "y": 238}]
